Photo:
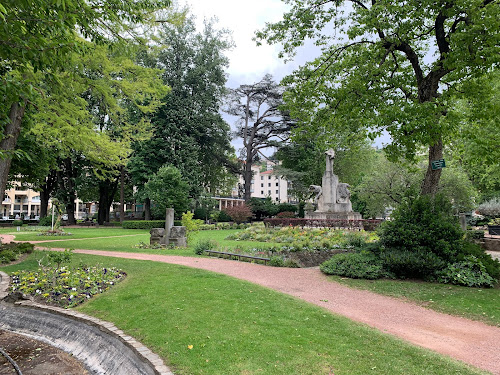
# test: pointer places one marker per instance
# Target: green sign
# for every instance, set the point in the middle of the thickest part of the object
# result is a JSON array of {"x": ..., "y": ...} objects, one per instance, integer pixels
[{"x": 438, "y": 164}]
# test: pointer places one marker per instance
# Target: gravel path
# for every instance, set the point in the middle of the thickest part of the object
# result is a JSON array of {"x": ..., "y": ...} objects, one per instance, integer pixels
[{"x": 469, "y": 341}]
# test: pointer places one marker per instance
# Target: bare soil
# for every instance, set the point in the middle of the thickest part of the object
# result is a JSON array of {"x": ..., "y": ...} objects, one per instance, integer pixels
[{"x": 35, "y": 357}]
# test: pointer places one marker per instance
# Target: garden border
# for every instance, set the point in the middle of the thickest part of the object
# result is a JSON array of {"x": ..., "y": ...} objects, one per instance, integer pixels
[{"x": 143, "y": 353}]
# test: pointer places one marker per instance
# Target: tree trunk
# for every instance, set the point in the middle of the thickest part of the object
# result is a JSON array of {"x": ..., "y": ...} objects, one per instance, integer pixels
[
  {"x": 147, "y": 209},
  {"x": 247, "y": 175},
  {"x": 431, "y": 180},
  {"x": 8, "y": 143},
  {"x": 107, "y": 190},
  {"x": 122, "y": 195},
  {"x": 66, "y": 181},
  {"x": 46, "y": 192}
]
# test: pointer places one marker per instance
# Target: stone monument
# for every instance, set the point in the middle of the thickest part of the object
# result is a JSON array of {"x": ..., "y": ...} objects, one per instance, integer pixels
[
  {"x": 333, "y": 198},
  {"x": 170, "y": 235}
]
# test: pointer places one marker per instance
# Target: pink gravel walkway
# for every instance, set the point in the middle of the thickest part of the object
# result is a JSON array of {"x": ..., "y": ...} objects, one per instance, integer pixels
[{"x": 472, "y": 342}]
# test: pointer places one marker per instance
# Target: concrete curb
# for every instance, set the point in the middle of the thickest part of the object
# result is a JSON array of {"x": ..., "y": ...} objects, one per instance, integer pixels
[{"x": 155, "y": 362}]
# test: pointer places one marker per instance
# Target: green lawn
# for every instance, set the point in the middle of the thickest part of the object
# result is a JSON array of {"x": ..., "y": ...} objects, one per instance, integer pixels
[
  {"x": 239, "y": 328},
  {"x": 78, "y": 233}
]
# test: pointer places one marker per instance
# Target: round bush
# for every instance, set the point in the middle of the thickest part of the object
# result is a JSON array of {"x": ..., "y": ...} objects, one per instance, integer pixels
[
  {"x": 415, "y": 264},
  {"x": 354, "y": 265}
]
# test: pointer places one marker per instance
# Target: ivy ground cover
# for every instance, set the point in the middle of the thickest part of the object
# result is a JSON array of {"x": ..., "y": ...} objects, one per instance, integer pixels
[{"x": 206, "y": 323}]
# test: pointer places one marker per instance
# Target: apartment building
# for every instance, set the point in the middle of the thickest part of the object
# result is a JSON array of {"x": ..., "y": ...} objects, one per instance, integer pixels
[{"x": 265, "y": 183}]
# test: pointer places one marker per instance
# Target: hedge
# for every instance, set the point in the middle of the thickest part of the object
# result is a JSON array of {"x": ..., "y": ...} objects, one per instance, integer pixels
[{"x": 143, "y": 224}]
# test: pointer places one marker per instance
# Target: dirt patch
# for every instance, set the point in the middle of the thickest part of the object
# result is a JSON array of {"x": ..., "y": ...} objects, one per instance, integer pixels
[{"x": 36, "y": 358}]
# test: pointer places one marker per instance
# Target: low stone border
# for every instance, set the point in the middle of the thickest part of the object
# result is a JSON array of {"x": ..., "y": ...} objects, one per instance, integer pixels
[{"x": 146, "y": 355}]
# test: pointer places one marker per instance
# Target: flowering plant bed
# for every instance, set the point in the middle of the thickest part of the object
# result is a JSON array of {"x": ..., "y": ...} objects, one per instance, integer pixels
[
  {"x": 56, "y": 232},
  {"x": 323, "y": 223},
  {"x": 65, "y": 286}
]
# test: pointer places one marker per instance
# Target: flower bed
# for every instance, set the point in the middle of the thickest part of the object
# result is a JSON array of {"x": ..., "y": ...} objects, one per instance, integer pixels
[
  {"x": 64, "y": 286},
  {"x": 323, "y": 223}
]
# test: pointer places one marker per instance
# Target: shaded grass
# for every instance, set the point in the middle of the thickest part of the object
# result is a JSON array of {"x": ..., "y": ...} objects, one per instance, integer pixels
[
  {"x": 481, "y": 304},
  {"x": 236, "y": 327}
]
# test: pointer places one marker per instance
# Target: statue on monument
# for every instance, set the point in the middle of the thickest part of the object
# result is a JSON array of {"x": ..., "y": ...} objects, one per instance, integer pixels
[{"x": 333, "y": 198}]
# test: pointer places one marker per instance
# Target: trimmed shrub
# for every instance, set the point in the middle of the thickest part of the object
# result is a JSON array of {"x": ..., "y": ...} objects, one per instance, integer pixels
[
  {"x": 490, "y": 208},
  {"x": 411, "y": 264},
  {"x": 276, "y": 261},
  {"x": 240, "y": 213},
  {"x": 469, "y": 272},
  {"x": 46, "y": 221},
  {"x": 286, "y": 214},
  {"x": 17, "y": 223},
  {"x": 287, "y": 207},
  {"x": 362, "y": 265},
  {"x": 425, "y": 224},
  {"x": 143, "y": 224}
]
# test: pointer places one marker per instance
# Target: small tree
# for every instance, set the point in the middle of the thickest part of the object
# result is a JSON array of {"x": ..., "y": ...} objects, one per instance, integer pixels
[
  {"x": 168, "y": 189},
  {"x": 240, "y": 213}
]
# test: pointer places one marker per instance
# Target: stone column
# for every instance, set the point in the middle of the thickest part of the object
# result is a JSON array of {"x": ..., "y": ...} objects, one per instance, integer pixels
[{"x": 169, "y": 223}]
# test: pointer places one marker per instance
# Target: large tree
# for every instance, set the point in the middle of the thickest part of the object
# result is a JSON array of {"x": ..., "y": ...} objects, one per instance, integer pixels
[
  {"x": 387, "y": 66},
  {"x": 262, "y": 122},
  {"x": 41, "y": 36},
  {"x": 188, "y": 130}
]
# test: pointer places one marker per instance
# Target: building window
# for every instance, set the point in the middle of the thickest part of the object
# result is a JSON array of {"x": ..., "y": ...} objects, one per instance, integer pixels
[
  {"x": 277, "y": 191},
  {"x": 261, "y": 177},
  {"x": 268, "y": 177},
  {"x": 261, "y": 185},
  {"x": 277, "y": 184},
  {"x": 262, "y": 192},
  {"x": 269, "y": 192},
  {"x": 269, "y": 184}
]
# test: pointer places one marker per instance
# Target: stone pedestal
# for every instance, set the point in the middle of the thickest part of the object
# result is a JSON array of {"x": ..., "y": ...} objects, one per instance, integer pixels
[{"x": 170, "y": 235}]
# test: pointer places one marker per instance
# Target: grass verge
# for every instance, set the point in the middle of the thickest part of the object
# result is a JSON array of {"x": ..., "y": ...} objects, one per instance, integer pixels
[{"x": 236, "y": 327}]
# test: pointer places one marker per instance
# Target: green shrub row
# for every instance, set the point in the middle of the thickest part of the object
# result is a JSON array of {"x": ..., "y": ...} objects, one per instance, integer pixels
[
  {"x": 10, "y": 252},
  {"x": 146, "y": 224}
]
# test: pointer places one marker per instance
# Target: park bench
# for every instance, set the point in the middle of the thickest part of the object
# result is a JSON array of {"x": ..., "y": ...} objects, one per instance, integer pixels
[{"x": 239, "y": 256}]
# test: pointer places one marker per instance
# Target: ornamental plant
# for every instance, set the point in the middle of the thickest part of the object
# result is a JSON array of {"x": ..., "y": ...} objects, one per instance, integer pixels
[{"x": 240, "y": 213}]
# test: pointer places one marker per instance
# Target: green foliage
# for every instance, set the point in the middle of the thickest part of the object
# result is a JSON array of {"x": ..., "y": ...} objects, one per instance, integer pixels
[
  {"x": 425, "y": 224},
  {"x": 168, "y": 189},
  {"x": 202, "y": 245},
  {"x": 286, "y": 214},
  {"x": 364, "y": 265},
  {"x": 64, "y": 286},
  {"x": 412, "y": 264},
  {"x": 17, "y": 223},
  {"x": 468, "y": 272},
  {"x": 263, "y": 207},
  {"x": 276, "y": 261},
  {"x": 491, "y": 265},
  {"x": 239, "y": 214},
  {"x": 188, "y": 130},
  {"x": 56, "y": 258},
  {"x": 45, "y": 221},
  {"x": 371, "y": 76},
  {"x": 474, "y": 234},
  {"x": 192, "y": 225},
  {"x": 143, "y": 224}
]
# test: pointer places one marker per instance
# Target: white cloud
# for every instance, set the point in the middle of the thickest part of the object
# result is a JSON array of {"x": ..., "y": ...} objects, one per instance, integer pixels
[{"x": 248, "y": 63}]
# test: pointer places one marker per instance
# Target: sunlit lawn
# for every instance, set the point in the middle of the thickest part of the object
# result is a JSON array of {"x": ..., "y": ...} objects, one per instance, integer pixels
[{"x": 239, "y": 328}]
